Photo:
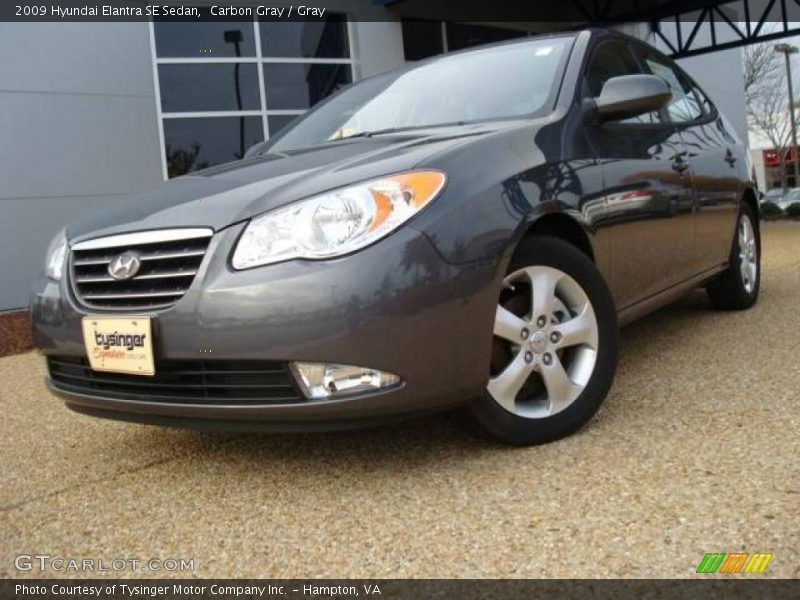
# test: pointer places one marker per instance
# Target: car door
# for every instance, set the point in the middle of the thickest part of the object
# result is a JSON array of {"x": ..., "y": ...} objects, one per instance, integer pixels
[
  {"x": 715, "y": 156},
  {"x": 647, "y": 185}
]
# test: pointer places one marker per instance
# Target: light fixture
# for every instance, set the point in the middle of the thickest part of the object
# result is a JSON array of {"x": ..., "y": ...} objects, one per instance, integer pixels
[
  {"x": 337, "y": 222},
  {"x": 321, "y": 380}
]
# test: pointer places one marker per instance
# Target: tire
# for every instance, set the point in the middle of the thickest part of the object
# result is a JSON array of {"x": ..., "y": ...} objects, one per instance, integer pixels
[
  {"x": 737, "y": 287},
  {"x": 566, "y": 362}
]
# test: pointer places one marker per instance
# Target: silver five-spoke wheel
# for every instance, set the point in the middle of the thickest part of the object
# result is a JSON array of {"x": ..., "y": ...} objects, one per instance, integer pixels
[
  {"x": 736, "y": 288},
  {"x": 546, "y": 338},
  {"x": 748, "y": 253}
]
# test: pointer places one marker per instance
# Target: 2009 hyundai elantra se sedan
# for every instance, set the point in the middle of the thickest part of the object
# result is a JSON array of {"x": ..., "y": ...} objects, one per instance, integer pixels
[{"x": 467, "y": 232}]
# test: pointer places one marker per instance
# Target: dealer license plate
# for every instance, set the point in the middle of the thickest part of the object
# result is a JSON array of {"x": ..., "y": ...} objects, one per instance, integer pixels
[{"x": 119, "y": 344}]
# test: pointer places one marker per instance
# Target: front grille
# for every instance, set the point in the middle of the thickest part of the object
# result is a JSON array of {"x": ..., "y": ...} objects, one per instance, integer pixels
[
  {"x": 224, "y": 382},
  {"x": 169, "y": 262}
]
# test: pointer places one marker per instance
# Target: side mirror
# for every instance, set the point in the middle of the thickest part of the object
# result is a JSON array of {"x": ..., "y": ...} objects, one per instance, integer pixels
[{"x": 628, "y": 96}]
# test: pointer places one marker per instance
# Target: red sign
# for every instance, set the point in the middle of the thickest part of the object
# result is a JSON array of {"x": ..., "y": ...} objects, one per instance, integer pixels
[{"x": 772, "y": 157}]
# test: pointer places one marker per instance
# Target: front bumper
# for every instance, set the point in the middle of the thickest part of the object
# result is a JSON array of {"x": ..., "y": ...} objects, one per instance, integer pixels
[{"x": 396, "y": 306}]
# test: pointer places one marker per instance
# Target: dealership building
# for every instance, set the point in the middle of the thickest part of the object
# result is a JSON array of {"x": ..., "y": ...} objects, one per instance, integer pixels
[{"x": 91, "y": 112}]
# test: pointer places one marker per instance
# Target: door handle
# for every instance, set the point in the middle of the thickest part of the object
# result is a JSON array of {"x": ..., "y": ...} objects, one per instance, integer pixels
[{"x": 729, "y": 157}]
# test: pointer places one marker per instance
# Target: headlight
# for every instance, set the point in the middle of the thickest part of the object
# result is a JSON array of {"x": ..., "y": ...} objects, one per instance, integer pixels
[
  {"x": 337, "y": 222},
  {"x": 56, "y": 252}
]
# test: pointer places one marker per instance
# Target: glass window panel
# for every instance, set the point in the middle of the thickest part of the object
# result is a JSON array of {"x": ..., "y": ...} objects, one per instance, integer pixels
[
  {"x": 211, "y": 39},
  {"x": 200, "y": 87},
  {"x": 422, "y": 39},
  {"x": 434, "y": 92},
  {"x": 326, "y": 38},
  {"x": 278, "y": 122},
  {"x": 296, "y": 86},
  {"x": 193, "y": 144},
  {"x": 461, "y": 35}
]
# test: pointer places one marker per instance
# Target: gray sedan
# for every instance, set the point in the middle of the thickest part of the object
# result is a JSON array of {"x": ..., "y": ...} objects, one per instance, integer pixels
[{"x": 466, "y": 233}]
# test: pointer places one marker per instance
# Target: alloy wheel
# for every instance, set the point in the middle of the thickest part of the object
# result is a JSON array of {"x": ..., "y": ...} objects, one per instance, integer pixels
[
  {"x": 545, "y": 344},
  {"x": 748, "y": 254}
]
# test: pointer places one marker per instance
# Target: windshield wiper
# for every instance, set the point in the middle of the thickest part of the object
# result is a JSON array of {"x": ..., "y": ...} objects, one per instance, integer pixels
[{"x": 362, "y": 134}]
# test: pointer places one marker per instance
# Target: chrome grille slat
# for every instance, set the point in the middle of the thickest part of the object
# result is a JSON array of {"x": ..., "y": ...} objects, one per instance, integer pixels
[
  {"x": 164, "y": 275},
  {"x": 95, "y": 296},
  {"x": 169, "y": 260},
  {"x": 92, "y": 261},
  {"x": 104, "y": 260},
  {"x": 167, "y": 255}
]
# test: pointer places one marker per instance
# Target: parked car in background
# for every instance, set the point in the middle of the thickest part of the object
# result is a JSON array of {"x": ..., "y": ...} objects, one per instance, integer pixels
[
  {"x": 773, "y": 195},
  {"x": 467, "y": 232},
  {"x": 792, "y": 196}
]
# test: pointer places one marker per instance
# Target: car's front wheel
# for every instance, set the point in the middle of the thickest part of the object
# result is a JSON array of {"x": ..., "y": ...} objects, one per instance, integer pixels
[{"x": 554, "y": 350}]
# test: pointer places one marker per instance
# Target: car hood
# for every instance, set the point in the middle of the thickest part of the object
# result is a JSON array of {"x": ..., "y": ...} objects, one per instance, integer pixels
[{"x": 233, "y": 192}]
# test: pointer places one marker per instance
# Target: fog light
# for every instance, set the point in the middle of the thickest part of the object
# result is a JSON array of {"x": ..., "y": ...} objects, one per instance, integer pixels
[{"x": 321, "y": 380}]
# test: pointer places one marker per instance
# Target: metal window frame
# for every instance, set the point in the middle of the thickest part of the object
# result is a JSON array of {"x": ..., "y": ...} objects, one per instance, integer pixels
[{"x": 260, "y": 60}]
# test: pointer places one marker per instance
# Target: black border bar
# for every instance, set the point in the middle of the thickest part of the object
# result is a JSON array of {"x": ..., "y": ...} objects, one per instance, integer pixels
[
  {"x": 569, "y": 13},
  {"x": 708, "y": 588}
]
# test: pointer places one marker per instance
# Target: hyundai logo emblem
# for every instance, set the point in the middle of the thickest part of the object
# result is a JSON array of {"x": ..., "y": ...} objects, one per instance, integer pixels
[{"x": 124, "y": 266}]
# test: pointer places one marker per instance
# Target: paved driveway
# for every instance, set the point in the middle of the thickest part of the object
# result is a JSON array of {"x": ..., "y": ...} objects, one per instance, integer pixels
[{"x": 696, "y": 450}]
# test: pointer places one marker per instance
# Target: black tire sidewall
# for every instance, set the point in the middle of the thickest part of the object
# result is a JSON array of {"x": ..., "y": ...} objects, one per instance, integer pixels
[
  {"x": 514, "y": 429},
  {"x": 727, "y": 292},
  {"x": 748, "y": 298}
]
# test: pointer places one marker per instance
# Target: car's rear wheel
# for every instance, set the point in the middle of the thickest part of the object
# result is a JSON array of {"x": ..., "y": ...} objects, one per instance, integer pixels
[
  {"x": 737, "y": 287},
  {"x": 554, "y": 350}
]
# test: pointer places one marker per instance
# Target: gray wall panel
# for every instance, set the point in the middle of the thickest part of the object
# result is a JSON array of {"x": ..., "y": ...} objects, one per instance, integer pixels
[
  {"x": 82, "y": 58},
  {"x": 26, "y": 227},
  {"x": 79, "y": 131},
  {"x": 66, "y": 144}
]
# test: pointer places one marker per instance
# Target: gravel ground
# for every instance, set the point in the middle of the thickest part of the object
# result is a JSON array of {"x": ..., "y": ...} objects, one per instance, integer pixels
[{"x": 695, "y": 450}]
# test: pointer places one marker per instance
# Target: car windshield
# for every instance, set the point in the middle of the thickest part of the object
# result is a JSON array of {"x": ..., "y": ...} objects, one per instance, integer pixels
[{"x": 506, "y": 81}]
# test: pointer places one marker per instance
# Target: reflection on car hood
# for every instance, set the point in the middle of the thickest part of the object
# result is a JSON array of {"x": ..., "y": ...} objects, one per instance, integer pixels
[{"x": 223, "y": 195}]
